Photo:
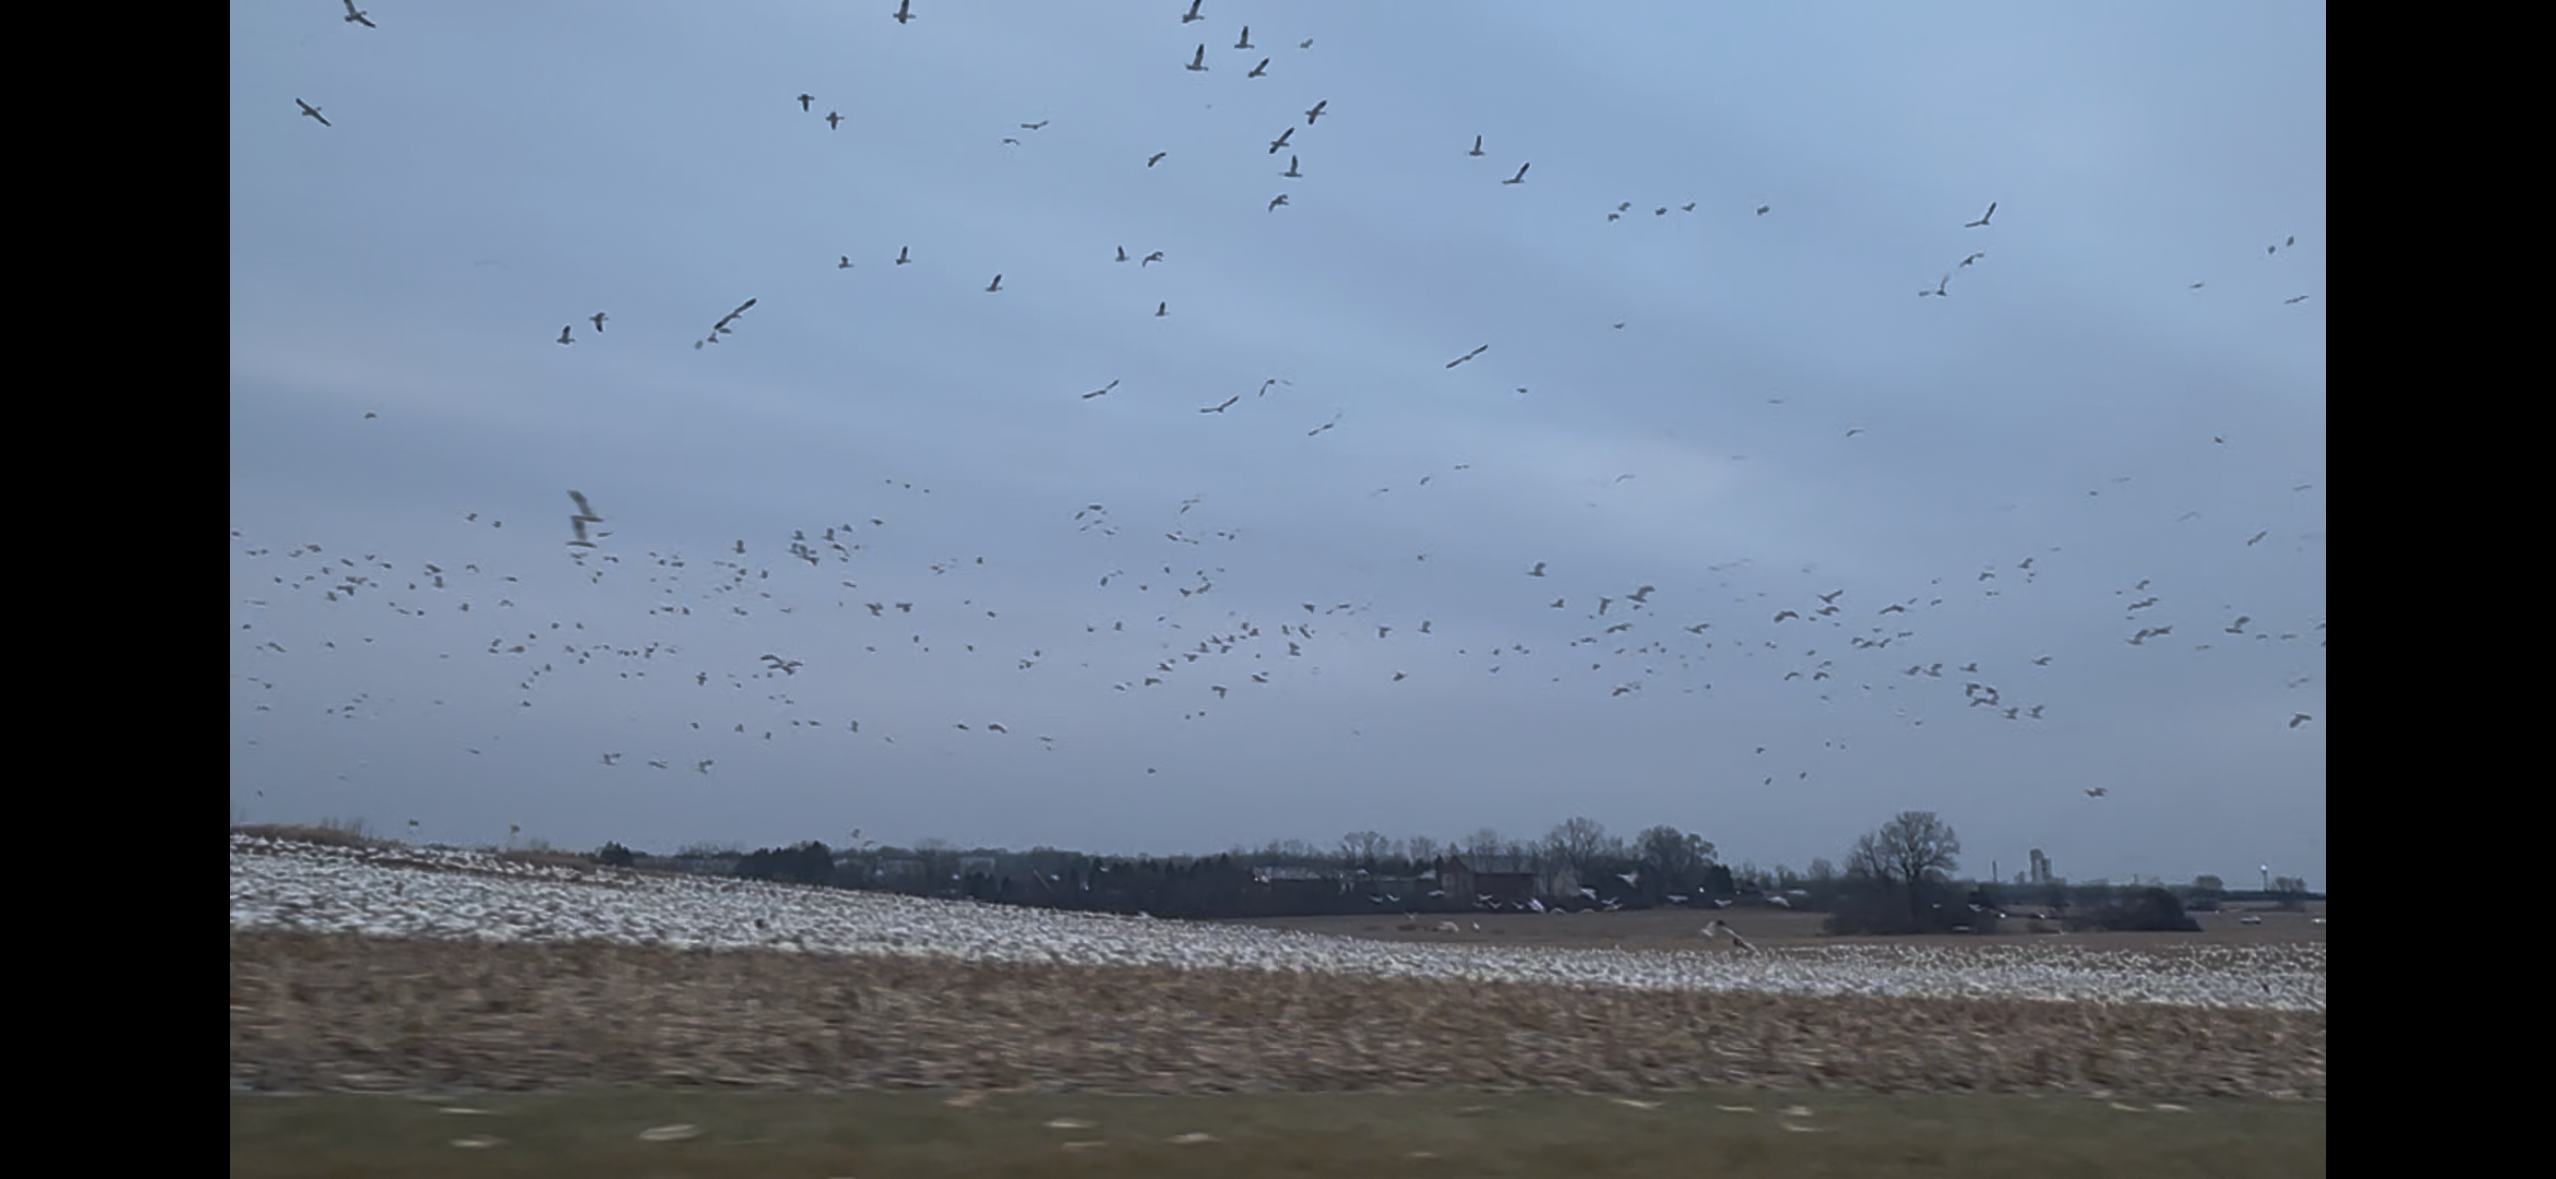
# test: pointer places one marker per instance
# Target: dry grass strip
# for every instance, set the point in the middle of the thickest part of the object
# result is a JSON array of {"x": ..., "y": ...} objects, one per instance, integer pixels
[{"x": 316, "y": 1012}]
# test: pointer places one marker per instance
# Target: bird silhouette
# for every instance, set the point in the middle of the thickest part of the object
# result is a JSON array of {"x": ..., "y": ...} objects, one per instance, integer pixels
[
  {"x": 1154, "y": 159},
  {"x": 903, "y": 11},
  {"x": 1259, "y": 71},
  {"x": 1316, "y": 112},
  {"x": 1281, "y": 141},
  {"x": 2288, "y": 302},
  {"x": 354, "y": 17},
  {"x": 563, "y": 334},
  {"x": 1198, "y": 64},
  {"x": 1762, "y": 209},
  {"x": 804, "y": 100},
  {"x": 1222, "y": 408},
  {"x": 2299, "y": 718},
  {"x": 1162, "y": 309},
  {"x": 1097, "y": 392},
  {"x": 1983, "y": 218},
  {"x": 1122, "y": 253},
  {"x": 599, "y": 318},
  {"x": 1520, "y": 178},
  {"x": 1279, "y": 200},
  {"x": 1193, "y": 12},
  {"x": 2096, "y": 791},
  {"x": 1035, "y": 126},
  {"x": 1468, "y": 356},
  {"x": 845, "y": 264},
  {"x": 1939, "y": 288},
  {"x": 313, "y": 112},
  {"x": 833, "y": 120},
  {"x": 1150, "y": 259},
  {"x": 995, "y": 285},
  {"x": 1291, "y": 173},
  {"x": 1975, "y": 257},
  {"x": 901, "y": 259}
]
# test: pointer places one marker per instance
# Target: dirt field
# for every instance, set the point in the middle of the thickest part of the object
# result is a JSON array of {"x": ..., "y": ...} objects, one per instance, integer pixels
[
  {"x": 1660, "y": 929},
  {"x": 317, "y": 1012}
]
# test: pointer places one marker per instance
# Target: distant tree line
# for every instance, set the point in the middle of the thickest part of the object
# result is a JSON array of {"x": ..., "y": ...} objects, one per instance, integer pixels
[{"x": 1897, "y": 878}]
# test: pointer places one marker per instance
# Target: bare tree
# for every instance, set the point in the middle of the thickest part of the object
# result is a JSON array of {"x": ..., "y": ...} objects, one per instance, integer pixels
[
  {"x": 1909, "y": 851},
  {"x": 1821, "y": 871},
  {"x": 1423, "y": 850},
  {"x": 1576, "y": 843},
  {"x": 1677, "y": 857},
  {"x": 1362, "y": 849},
  {"x": 1484, "y": 842}
]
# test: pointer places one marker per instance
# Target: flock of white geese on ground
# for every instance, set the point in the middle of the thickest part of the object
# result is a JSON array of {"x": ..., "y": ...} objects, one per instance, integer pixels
[{"x": 406, "y": 891}]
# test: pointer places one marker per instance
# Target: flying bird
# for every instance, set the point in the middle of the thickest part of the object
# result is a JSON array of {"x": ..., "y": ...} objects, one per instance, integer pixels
[
  {"x": 903, "y": 13},
  {"x": 354, "y": 17},
  {"x": 804, "y": 100},
  {"x": 1477, "y": 146},
  {"x": 2249, "y": 541},
  {"x": 599, "y": 318},
  {"x": 1688, "y": 206},
  {"x": 563, "y": 334},
  {"x": 1259, "y": 71},
  {"x": 1468, "y": 356},
  {"x": 901, "y": 259},
  {"x": 845, "y": 264},
  {"x": 722, "y": 325},
  {"x": 1307, "y": 43},
  {"x": 1122, "y": 253},
  {"x": 2300, "y": 299},
  {"x": 2095, "y": 791},
  {"x": 1316, "y": 112},
  {"x": 1150, "y": 161},
  {"x": 1983, "y": 218},
  {"x": 1193, "y": 12},
  {"x": 1281, "y": 141},
  {"x": 1538, "y": 571},
  {"x": 833, "y": 120},
  {"x": 1198, "y": 64},
  {"x": 1222, "y": 408},
  {"x": 1520, "y": 178},
  {"x": 1291, "y": 173},
  {"x": 1150, "y": 259},
  {"x": 2299, "y": 718},
  {"x": 1722, "y": 928},
  {"x": 1245, "y": 42},
  {"x": 1279, "y": 200},
  {"x": 1975, "y": 257},
  {"x": 1162, "y": 309},
  {"x": 313, "y": 112},
  {"x": 995, "y": 285},
  {"x": 1035, "y": 126},
  {"x": 1097, "y": 392}
]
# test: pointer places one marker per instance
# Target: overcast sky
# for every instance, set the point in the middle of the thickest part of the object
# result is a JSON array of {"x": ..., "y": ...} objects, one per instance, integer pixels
[{"x": 1743, "y": 403}]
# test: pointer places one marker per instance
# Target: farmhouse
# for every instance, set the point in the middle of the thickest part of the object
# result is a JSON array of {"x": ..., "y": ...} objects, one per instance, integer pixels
[{"x": 1506, "y": 880}]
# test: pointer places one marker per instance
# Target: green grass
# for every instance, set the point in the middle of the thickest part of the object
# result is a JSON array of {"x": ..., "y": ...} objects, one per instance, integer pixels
[{"x": 1470, "y": 1134}]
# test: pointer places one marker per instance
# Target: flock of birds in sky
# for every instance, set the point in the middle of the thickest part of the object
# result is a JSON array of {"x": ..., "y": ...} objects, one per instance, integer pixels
[{"x": 1616, "y": 639}]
